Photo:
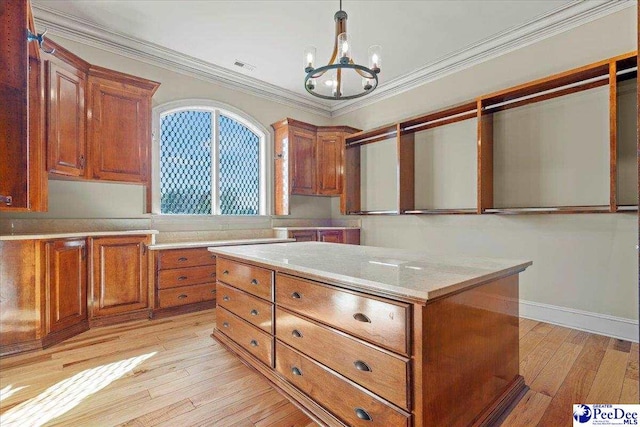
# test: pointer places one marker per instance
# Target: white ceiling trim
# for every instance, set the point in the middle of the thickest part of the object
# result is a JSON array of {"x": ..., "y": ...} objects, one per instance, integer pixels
[
  {"x": 559, "y": 20},
  {"x": 73, "y": 28}
]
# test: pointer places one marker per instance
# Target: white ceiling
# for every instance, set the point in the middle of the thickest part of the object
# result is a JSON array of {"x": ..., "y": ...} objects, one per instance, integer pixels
[{"x": 272, "y": 35}]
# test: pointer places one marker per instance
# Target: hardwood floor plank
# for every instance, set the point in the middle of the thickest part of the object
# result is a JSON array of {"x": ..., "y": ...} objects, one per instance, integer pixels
[
  {"x": 632, "y": 366},
  {"x": 159, "y": 415},
  {"x": 577, "y": 337},
  {"x": 529, "y": 410},
  {"x": 607, "y": 385},
  {"x": 526, "y": 325},
  {"x": 538, "y": 358},
  {"x": 554, "y": 373},
  {"x": 630, "y": 391},
  {"x": 620, "y": 345}
]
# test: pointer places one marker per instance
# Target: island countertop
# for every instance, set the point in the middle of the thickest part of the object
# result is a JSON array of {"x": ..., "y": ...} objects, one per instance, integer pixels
[{"x": 400, "y": 273}]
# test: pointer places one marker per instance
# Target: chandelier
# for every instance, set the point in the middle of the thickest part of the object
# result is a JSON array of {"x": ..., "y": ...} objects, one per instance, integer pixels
[{"x": 341, "y": 65}]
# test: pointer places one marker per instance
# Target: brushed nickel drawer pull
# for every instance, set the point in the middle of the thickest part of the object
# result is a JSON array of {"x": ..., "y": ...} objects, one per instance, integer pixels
[
  {"x": 225, "y": 272},
  {"x": 182, "y": 259},
  {"x": 361, "y": 318},
  {"x": 363, "y": 415},
  {"x": 296, "y": 295},
  {"x": 226, "y": 298},
  {"x": 254, "y": 343},
  {"x": 182, "y": 296},
  {"x": 182, "y": 278},
  {"x": 296, "y": 333},
  {"x": 253, "y": 312},
  {"x": 225, "y": 325},
  {"x": 361, "y": 366},
  {"x": 254, "y": 281},
  {"x": 296, "y": 371}
]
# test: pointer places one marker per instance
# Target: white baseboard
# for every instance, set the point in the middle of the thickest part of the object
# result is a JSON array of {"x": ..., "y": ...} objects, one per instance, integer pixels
[{"x": 602, "y": 324}]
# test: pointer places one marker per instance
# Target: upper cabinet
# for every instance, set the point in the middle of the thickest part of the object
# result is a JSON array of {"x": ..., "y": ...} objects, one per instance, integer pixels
[
  {"x": 309, "y": 160},
  {"x": 66, "y": 78},
  {"x": 23, "y": 183},
  {"x": 119, "y": 126}
]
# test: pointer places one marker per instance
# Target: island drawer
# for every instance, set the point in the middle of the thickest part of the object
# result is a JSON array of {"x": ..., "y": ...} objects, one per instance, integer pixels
[
  {"x": 350, "y": 403},
  {"x": 254, "y": 310},
  {"x": 186, "y": 276},
  {"x": 254, "y": 280},
  {"x": 377, "y": 370},
  {"x": 252, "y": 339},
  {"x": 186, "y": 295},
  {"x": 177, "y": 258},
  {"x": 373, "y": 319}
]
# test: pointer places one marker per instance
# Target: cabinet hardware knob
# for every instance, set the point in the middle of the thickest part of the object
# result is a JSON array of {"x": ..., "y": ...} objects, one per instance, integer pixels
[
  {"x": 254, "y": 281},
  {"x": 253, "y": 312},
  {"x": 363, "y": 415},
  {"x": 182, "y": 296},
  {"x": 296, "y": 295},
  {"x": 225, "y": 325},
  {"x": 296, "y": 333},
  {"x": 213, "y": 257},
  {"x": 213, "y": 291},
  {"x": 82, "y": 162},
  {"x": 213, "y": 274},
  {"x": 226, "y": 298},
  {"x": 361, "y": 318},
  {"x": 254, "y": 343},
  {"x": 225, "y": 272},
  {"x": 361, "y": 366},
  {"x": 182, "y": 259},
  {"x": 182, "y": 278},
  {"x": 296, "y": 371},
  {"x": 7, "y": 200}
]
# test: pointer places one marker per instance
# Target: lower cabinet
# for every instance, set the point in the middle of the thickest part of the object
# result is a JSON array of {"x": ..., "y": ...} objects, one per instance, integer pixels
[
  {"x": 349, "y": 236},
  {"x": 120, "y": 285},
  {"x": 66, "y": 284},
  {"x": 185, "y": 280}
]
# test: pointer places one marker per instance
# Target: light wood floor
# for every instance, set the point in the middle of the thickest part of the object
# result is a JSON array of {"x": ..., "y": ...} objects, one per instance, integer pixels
[{"x": 171, "y": 373}]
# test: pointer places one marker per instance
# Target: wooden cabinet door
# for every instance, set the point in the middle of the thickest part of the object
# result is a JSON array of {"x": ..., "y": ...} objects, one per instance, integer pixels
[
  {"x": 118, "y": 131},
  {"x": 329, "y": 163},
  {"x": 303, "y": 162},
  {"x": 304, "y": 235},
  {"x": 66, "y": 276},
  {"x": 66, "y": 141},
  {"x": 21, "y": 162},
  {"x": 120, "y": 275},
  {"x": 331, "y": 236}
]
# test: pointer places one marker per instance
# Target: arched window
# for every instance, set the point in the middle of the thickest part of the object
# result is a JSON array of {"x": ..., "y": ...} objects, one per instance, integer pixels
[{"x": 209, "y": 159}]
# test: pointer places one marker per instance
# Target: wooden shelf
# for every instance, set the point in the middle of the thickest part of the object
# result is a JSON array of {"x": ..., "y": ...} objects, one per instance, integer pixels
[
  {"x": 608, "y": 72},
  {"x": 441, "y": 212},
  {"x": 550, "y": 210}
]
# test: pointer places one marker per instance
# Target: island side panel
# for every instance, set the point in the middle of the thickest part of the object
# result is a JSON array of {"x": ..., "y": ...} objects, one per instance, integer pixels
[{"x": 471, "y": 354}]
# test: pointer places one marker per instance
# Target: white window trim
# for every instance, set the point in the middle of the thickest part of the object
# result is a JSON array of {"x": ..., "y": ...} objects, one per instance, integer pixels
[{"x": 266, "y": 147}]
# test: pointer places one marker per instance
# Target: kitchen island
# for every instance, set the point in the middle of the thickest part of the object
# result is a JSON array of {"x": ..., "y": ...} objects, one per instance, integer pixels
[{"x": 359, "y": 335}]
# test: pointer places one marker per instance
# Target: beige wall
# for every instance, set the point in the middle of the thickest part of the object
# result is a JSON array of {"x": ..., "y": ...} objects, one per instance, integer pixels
[
  {"x": 583, "y": 262},
  {"x": 99, "y": 200}
]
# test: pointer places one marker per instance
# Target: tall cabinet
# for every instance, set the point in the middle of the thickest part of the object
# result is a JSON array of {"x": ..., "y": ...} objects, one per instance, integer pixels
[{"x": 308, "y": 160}]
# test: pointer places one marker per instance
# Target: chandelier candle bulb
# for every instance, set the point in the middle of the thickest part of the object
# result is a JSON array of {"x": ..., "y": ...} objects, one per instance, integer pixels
[
  {"x": 344, "y": 46},
  {"x": 309, "y": 58},
  {"x": 375, "y": 58}
]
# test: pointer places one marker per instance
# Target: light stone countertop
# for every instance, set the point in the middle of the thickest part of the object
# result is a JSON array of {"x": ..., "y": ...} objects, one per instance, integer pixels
[
  {"x": 404, "y": 274},
  {"x": 62, "y": 235},
  {"x": 214, "y": 243}
]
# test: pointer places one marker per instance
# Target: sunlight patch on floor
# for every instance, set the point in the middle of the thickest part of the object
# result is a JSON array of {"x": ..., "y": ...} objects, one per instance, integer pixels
[
  {"x": 10, "y": 390},
  {"x": 67, "y": 394}
]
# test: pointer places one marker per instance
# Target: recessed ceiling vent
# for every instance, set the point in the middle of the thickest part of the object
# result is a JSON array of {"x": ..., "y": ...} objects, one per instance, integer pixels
[{"x": 244, "y": 65}]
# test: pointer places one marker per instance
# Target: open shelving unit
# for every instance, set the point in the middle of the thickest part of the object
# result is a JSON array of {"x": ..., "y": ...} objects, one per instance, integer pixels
[{"x": 527, "y": 158}]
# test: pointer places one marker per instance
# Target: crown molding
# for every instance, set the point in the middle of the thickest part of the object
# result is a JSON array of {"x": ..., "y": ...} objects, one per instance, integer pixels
[
  {"x": 91, "y": 34},
  {"x": 564, "y": 18}
]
